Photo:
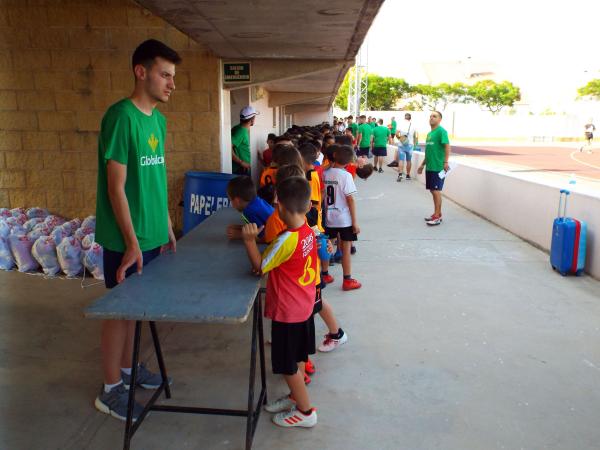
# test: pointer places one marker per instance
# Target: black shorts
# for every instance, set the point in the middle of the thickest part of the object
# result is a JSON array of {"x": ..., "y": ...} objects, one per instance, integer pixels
[
  {"x": 589, "y": 135},
  {"x": 291, "y": 343},
  {"x": 363, "y": 151},
  {"x": 433, "y": 182},
  {"x": 112, "y": 261},
  {"x": 380, "y": 151},
  {"x": 346, "y": 233},
  {"x": 318, "y": 300}
]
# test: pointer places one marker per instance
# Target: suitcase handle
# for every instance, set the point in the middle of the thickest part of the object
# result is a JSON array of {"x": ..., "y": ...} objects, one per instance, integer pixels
[{"x": 564, "y": 210}]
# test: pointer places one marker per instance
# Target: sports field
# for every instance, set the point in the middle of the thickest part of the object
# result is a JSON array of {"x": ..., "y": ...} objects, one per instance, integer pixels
[{"x": 558, "y": 160}]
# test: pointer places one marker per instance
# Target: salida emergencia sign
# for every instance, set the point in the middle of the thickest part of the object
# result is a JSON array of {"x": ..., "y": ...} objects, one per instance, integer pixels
[{"x": 239, "y": 71}]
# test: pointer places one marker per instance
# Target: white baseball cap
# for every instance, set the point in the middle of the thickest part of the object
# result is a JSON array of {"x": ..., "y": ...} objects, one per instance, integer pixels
[{"x": 248, "y": 112}]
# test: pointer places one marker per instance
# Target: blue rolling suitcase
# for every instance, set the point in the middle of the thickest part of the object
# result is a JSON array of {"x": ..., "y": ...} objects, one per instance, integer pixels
[{"x": 567, "y": 251}]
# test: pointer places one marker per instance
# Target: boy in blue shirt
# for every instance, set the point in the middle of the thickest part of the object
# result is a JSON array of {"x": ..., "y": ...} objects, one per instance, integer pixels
[{"x": 242, "y": 196}]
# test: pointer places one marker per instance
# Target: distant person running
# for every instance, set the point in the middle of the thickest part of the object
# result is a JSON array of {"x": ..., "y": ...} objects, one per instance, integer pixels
[
  {"x": 437, "y": 152},
  {"x": 589, "y": 136}
]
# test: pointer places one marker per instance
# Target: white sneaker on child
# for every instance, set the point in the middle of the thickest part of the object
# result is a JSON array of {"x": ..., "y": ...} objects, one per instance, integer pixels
[
  {"x": 295, "y": 418},
  {"x": 329, "y": 344},
  {"x": 281, "y": 404}
]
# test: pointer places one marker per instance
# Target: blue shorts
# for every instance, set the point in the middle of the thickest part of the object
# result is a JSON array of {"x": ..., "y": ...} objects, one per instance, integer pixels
[
  {"x": 112, "y": 261},
  {"x": 433, "y": 182},
  {"x": 363, "y": 151},
  {"x": 405, "y": 153},
  {"x": 380, "y": 151}
]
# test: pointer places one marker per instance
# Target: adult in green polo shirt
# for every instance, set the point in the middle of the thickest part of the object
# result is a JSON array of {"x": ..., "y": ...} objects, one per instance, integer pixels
[
  {"x": 132, "y": 216},
  {"x": 381, "y": 138},
  {"x": 394, "y": 127},
  {"x": 353, "y": 126},
  {"x": 437, "y": 153},
  {"x": 364, "y": 138},
  {"x": 240, "y": 142}
]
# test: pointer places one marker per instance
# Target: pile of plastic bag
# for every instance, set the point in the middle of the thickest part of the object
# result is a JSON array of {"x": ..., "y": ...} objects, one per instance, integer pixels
[{"x": 33, "y": 238}]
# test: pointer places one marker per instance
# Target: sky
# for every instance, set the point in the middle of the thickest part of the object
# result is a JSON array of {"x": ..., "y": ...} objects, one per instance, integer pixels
[{"x": 544, "y": 47}]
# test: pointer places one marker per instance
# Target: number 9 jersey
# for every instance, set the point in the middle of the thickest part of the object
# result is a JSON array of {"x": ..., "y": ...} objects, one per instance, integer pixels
[{"x": 338, "y": 185}]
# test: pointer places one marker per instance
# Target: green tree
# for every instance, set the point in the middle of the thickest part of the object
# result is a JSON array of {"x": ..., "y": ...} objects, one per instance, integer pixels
[
  {"x": 427, "y": 96},
  {"x": 382, "y": 92},
  {"x": 590, "y": 90},
  {"x": 453, "y": 93},
  {"x": 494, "y": 96}
]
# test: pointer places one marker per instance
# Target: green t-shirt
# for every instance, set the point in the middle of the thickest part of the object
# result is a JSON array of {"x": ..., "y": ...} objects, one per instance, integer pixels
[
  {"x": 354, "y": 128},
  {"x": 373, "y": 124},
  {"x": 435, "y": 153},
  {"x": 137, "y": 140},
  {"x": 366, "y": 131},
  {"x": 380, "y": 136},
  {"x": 394, "y": 127},
  {"x": 240, "y": 139}
]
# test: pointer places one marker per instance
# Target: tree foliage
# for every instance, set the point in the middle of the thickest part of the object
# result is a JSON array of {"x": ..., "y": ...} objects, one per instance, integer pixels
[
  {"x": 494, "y": 96},
  {"x": 384, "y": 93},
  {"x": 591, "y": 90}
]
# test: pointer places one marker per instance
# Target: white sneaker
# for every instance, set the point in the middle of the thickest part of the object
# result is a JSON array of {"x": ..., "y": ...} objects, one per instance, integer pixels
[
  {"x": 281, "y": 404},
  {"x": 329, "y": 344},
  {"x": 295, "y": 418}
]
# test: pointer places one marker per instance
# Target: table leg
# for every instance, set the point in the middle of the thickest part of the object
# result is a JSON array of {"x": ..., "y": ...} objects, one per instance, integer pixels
[
  {"x": 159, "y": 357},
  {"x": 261, "y": 349},
  {"x": 252, "y": 378},
  {"x": 134, "y": 366}
]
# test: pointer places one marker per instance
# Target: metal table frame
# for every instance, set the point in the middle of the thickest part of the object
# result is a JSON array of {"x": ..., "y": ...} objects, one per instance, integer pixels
[{"x": 252, "y": 413}]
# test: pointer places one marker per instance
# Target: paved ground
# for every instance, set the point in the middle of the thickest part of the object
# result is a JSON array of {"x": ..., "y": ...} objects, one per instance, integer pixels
[
  {"x": 461, "y": 338},
  {"x": 561, "y": 160}
]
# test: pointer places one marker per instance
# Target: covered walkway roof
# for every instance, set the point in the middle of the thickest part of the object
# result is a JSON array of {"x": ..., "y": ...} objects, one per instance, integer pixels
[{"x": 300, "y": 50}]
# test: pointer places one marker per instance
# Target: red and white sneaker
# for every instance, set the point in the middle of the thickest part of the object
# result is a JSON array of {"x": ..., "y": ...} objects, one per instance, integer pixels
[
  {"x": 295, "y": 418},
  {"x": 327, "y": 279},
  {"x": 329, "y": 344},
  {"x": 434, "y": 221},
  {"x": 285, "y": 403},
  {"x": 433, "y": 217},
  {"x": 351, "y": 284},
  {"x": 309, "y": 367}
]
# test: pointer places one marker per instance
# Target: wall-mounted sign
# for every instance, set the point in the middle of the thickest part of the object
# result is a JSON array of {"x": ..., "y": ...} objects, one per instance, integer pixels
[{"x": 236, "y": 72}]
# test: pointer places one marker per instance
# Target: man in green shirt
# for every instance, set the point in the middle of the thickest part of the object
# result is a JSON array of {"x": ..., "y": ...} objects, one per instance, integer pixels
[
  {"x": 353, "y": 126},
  {"x": 381, "y": 138},
  {"x": 394, "y": 127},
  {"x": 364, "y": 138},
  {"x": 240, "y": 142},
  {"x": 437, "y": 153},
  {"x": 132, "y": 215}
]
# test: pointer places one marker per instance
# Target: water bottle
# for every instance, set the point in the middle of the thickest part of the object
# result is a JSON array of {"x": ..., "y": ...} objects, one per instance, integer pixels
[{"x": 324, "y": 255}]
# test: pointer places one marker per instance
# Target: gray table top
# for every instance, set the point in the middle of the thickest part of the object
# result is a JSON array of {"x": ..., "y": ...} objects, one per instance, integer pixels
[{"x": 209, "y": 279}]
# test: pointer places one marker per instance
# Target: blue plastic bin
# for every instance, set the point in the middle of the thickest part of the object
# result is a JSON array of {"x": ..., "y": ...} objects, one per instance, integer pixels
[{"x": 203, "y": 194}]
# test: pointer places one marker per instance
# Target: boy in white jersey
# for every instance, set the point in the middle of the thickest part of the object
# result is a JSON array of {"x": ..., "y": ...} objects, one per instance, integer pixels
[{"x": 341, "y": 219}]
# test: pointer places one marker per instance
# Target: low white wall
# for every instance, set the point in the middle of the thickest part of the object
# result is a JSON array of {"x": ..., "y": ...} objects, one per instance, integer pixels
[{"x": 522, "y": 207}]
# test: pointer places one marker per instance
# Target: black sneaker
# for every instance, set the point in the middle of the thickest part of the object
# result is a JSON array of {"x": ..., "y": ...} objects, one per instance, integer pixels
[
  {"x": 380, "y": 170},
  {"x": 352, "y": 250},
  {"x": 393, "y": 164},
  {"x": 399, "y": 179},
  {"x": 408, "y": 177}
]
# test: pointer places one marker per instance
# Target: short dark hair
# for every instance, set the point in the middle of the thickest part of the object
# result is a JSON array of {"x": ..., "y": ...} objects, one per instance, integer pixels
[
  {"x": 294, "y": 194},
  {"x": 271, "y": 137},
  {"x": 285, "y": 172},
  {"x": 438, "y": 113},
  {"x": 287, "y": 154},
  {"x": 283, "y": 137},
  {"x": 344, "y": 139},
  {"x": 241, "y": 187},
  {"x": 330, "y": 152},
  {"x": 350, "y": 117},
  {"x": 409, "y": 115},
  {"x": 365, "y": 171},
  {"x": 344, "y": 155},
  {"x": 309, "y": 153},
  {"x": 147, "y": 51},
  {"x": 380, "y": 121}
]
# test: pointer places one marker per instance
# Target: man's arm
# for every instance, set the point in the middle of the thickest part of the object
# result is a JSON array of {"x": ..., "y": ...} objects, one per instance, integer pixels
[
  {"x": 116, "y": 174},
  {"x": 358, "y": 138},
  {"x": 352, "y": 207},
  {"x": 447, "y": 157},
  {"x": 237, "y": 160}
]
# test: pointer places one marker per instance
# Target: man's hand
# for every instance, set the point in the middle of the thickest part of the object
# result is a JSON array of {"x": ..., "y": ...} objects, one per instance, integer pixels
[
  {"x": 446, "y": 167},
  {"x": 234, "y": 231},
  {"x": 132, "y": 255},
  {"x": 245, "y": 165},
  {"x": 172, "y": 245},
  {"x": 355, "y": 228},
  {"x": 420, "y": 170},
  {"x": 250, "y": 232}
]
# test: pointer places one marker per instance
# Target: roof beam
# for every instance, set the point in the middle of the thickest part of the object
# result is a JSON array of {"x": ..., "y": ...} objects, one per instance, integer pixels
[{"x": 291, "y": 98}]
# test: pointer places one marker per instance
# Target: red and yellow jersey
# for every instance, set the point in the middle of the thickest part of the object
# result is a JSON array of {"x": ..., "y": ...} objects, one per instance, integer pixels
[
  {"x": 268, "y": 176},
  {"x": 291, "y": 262}
]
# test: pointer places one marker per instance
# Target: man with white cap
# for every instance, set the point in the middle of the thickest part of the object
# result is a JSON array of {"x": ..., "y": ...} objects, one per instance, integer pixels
[{"x": 240, "y": 141}]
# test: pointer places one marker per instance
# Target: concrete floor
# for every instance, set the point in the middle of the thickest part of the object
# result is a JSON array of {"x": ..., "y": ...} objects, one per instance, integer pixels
[{"x": 461, "y": 338}]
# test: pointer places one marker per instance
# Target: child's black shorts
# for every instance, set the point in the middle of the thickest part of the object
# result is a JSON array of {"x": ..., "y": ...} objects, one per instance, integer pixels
[
  {"x": 291, "y": 343},
  {"x": 346, "y": 233},
  {"x": 318, "y": 300}
]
